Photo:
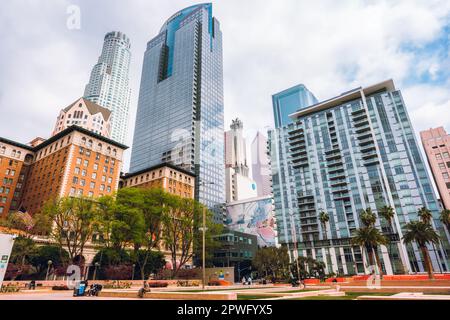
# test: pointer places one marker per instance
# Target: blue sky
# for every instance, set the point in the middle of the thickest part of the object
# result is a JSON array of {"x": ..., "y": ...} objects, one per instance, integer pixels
[{"x": 269, "y": 45}]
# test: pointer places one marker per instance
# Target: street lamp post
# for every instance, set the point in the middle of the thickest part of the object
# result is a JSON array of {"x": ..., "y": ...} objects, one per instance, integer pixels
[
  {"x": 96, "y": 265},
  {"x": 49, "y": 263},
  {"x": 132, "y": 273},
  {"x": 204, "y": 241}
]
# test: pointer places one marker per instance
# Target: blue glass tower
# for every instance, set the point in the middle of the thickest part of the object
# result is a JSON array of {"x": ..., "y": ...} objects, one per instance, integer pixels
[
  {"x": 289, "y": 101},
  {"x": 180, "y": 116}
]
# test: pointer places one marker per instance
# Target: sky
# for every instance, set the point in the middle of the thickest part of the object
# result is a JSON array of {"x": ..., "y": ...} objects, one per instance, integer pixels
[{"x": 269, "y": 45}]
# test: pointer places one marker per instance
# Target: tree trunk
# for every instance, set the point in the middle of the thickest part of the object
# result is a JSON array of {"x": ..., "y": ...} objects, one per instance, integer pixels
[
  {"x": 370, "y": 255},
  {"x": 377, "y": 258},
  {"x": 427, "y": 261}
]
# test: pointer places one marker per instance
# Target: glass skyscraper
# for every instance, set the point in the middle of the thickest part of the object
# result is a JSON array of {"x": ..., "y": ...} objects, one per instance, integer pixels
[
  {"x": 347, "y": 154},
  {"x": 180, "y": 116},
  {"x": 289, "y": 101},
  {"x": 109, "y": 84}
]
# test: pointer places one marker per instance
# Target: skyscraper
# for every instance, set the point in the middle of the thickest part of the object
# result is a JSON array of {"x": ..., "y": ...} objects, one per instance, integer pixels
[
  {"x": 349, "y": 153},
  {"x": 180, "y": 116},
  {"x": 109, "y": 84},
  {"x": 236, "y": 148},
  {"x": 289, "y": 101},
  {"x": 436, "y": 143},
  {"x": 261, "y": 165},
  {"x": 238, "y": 184},
  {"x": 283, "y": 177}
]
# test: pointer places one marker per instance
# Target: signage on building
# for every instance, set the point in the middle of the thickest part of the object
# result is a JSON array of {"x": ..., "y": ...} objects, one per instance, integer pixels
[{"x": 6, "y": 244}]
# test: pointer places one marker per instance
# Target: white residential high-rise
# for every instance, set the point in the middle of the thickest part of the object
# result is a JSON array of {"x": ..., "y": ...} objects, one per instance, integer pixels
[
  {"x": 239, "y": 185},
  {"x": 109, "y": 84},
  {"x": 261, "y": 170}
]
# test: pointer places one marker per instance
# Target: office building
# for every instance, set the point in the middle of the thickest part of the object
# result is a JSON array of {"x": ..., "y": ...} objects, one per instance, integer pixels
[
  {"x": 261, "y": 171},
  {"x": 238, "y": 184},
  {"x": 109, "y": 83},
  {"x": 436, "y": 143},
  {"x": 180, "y": 116},
  {"x": 237, "y": 249},
  {"x": 289, "y": 101}
]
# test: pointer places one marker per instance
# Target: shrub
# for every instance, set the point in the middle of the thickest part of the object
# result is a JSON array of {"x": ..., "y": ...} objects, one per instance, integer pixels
[
  {"x": 9, "y": 288},
  {"x": 188, "y": 283},
  {"x": 122, "y": 272},
  {"x": 118, "y": 285},
  {"x": 60, "y": 288},
  {"x": 159, "y": 284}
]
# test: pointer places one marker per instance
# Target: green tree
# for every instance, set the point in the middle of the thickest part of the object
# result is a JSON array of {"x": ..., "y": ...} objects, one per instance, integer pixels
[
  {"x": 148, "y": 206},
  {"x": 324, "y": 219},
  {"x": 445, "y": 218},
  {"x": 425, "y": 215},
  {"x": 422, "y": 233},
  {"x": 154, "y": 262},
  {"x": 110, "y": 257},
  {"x": 23, "y": 249},
  {"x": 368, "y": 218},
  {"x": 370, "y": 238},
  {"x": 179, "y": 225},
  {"x": 70, "y": 222},
  {"x": 388, "y": 213},
  {"x": 43, "y": 254},
  {"x": 272, "y": 262}
]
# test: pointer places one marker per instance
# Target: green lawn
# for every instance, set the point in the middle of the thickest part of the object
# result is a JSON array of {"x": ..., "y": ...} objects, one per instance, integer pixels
[
  {"x": 348, "y": 296},
  {"x": 224, "y": 289},
  {"x": 295, "y": 291}
]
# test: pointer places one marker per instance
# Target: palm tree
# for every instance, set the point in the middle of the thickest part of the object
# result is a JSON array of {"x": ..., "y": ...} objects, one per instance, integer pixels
[
  {"x": 368, "y": 218},
  {"x": 370, "y": 238},
  {"x": 445, "y": 218},
  {"x": 324, "y": 218},
  {"x": 425, "y": 215},
  {"x": 422, "y": 233},
  {"x": 388, "y": 213}
]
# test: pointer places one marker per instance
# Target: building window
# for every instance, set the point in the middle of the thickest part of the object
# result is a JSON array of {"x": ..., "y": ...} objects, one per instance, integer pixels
[
  {"x": 92, "y": 185},
  {"x": 439, "y": 156},
  {"x": 441, "y": 166},
  {"x": 94, "y": 175},
  {"x": 445, "y": 175}
]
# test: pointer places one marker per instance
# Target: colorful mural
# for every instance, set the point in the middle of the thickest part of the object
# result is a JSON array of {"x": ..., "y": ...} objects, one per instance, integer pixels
[{"x": 254, "y": 217}]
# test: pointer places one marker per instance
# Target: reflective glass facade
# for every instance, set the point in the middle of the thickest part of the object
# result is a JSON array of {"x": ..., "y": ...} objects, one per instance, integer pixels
[
  {"x": 347, "y": 154},
  {"x": 289, "y": 101},
  {"x": 180, "y": 116}
]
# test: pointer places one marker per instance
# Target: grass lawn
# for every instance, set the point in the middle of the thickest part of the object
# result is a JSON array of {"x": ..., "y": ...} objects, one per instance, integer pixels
[
  {"x": 295, "y": 291},
  {"x": 348, "y": 296},
  {"x": 224, "y": 289}
]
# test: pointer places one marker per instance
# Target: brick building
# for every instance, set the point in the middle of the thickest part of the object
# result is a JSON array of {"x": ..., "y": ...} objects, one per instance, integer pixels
[
  {"x": 166, "y": 176},
  {"x": 87, "y": 115},
  {"x": 436, "y": 143},
  {"x": 74, "y": 162},
  {"x": 15, "y": 161}
]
